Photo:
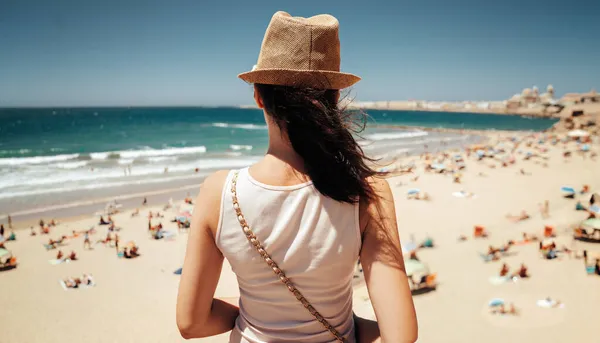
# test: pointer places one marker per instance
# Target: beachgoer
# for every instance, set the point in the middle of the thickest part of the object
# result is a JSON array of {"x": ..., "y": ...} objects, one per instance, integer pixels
[
  {"x": 59, "y": 255},
  {"x": 145, "y": 202},
  {"x": 597, "y": 267},
  {"x": 135, "y": 213},
  {"x": 12, "y": 236},
  {"x": 522, "y": 272},
  {"x": 520, "y": 217},
  {"x": 103, "y": 222},
  {"x": 117, "y": 242},
  {"x": 504, "y": 270},
  {"x": 73, "y": 256},
  {"x": 318, "y": 162},
  {"x": 1, "y": 230},
  {"x": 87, "y": 244},
  {"x": 9, "y": 218},
  {"x": 41, "y": 223},
  {"x": 32, "y": 231}
]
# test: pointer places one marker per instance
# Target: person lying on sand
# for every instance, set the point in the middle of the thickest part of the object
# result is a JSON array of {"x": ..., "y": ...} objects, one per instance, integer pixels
[
  {"x": 529, "y": 238},
  {"x": 59, "y": 255},
  {"x": 504, "y": 270},
  {"x": 103, "y": 222},
  {"x": 521, "y": 217},
  {"x": 502, "y": 310},
  {"x": 492, "y": 253},
  {"x": 72, "y": 282},
  {"x": 73, "y": 256}
]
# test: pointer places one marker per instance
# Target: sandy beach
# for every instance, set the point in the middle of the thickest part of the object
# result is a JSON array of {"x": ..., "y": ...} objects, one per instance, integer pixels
[{"x": 133, "y": 300}]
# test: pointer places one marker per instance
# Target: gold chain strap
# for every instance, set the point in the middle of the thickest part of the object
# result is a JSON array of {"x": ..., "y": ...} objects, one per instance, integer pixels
[{"x": 261, "y": 250}]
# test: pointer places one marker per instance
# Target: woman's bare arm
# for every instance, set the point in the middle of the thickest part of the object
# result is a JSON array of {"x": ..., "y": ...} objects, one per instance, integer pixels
[
  {"x": 198, "y": 313},
  {"x": 383, "y": 266}
]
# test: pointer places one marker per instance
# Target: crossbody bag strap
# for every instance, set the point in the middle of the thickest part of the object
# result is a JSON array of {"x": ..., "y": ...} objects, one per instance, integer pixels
[{"x": 273, "y": 265}]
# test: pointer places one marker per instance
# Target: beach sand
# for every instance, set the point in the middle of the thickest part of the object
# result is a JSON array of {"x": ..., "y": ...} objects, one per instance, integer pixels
[{"x": 134, "y": 299}]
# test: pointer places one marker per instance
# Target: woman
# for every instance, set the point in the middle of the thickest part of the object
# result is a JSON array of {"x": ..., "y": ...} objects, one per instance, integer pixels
[{"x": 293, "y": 225}]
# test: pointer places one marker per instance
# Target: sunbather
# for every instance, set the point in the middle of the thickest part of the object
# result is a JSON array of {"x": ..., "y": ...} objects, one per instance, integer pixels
[
  {"x": 529, "y": 238},
  {"x": 504, "y": 270},
  {"x": 73, "y": 256},
  {"x": 522, "y": 272},
  {"x": 521, "y": 217},
  {"x": 59, "y": 255},
  {"x": 103, "y": 222}
]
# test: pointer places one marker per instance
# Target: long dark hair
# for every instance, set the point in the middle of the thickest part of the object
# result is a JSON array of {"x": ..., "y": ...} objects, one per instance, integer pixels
[{"x": 322, "y": 134}]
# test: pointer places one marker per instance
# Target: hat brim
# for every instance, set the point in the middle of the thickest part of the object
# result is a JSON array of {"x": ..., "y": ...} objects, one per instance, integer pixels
[{"x": 320, "y": 79}]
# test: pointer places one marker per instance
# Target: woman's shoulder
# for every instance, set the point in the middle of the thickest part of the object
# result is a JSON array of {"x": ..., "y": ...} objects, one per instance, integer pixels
[{"x": 212, "y": 186}]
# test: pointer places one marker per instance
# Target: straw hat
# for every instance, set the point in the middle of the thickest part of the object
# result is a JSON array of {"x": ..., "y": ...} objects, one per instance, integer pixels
[{"x": 300, "y": 52}]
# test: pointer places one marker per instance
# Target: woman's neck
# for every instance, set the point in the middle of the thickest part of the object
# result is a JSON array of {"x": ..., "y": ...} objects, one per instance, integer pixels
[{"x": 280, "y": 150}]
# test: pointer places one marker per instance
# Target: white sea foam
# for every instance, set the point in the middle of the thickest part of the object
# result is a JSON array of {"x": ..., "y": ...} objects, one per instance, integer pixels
[
  {"x": 70, "y": 165},
  {"x": 99, "y": 155},
  {"x": 162, "y": 152},
  {"x": 240, "y": 126},
  {"x": 394, "y": 135},
  {"x": 240, "y": 147},
  {"x": 41, "y": 177},
  {"x": 162, "y": 158},
  {"x": 91, "y": 186},
  {"x": 17, "y": 161},
  {"x": 126, "y": 161}
]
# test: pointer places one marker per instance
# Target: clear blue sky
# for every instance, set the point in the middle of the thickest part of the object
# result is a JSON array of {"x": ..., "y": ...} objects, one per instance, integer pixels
[{"x": 129, "y": 52}]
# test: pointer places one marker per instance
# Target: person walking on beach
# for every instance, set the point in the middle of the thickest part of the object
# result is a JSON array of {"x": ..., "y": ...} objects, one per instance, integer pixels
[
  {"x": 293, "y": 225},
  {"x": 10, "y": 222},
  {"x": 87, "y": 244}
]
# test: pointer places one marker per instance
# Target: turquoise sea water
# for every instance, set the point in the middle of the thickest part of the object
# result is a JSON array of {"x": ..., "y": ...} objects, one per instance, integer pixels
[{"x": 49, "y": 156}]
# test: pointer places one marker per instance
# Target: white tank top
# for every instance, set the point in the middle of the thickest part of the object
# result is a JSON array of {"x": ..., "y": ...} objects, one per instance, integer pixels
[{"x": 314, "y": 239}]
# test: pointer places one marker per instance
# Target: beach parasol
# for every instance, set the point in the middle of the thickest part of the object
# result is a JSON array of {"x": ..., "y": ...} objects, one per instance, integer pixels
[
  {"x": 496, "y": 302},
  {"x": 593, "y": 223},
  {"x": 5, "y": 255},
  {"x": 408, "y": 247},
  {"x": 438, "y": 166},
  {"x": 569, "y": 190},
  {"x": 414, "y": 267},
  {"x": 578, "y": 133},
  {"x": 413, "y": 191},
  {"x": 178, "y": 271}
]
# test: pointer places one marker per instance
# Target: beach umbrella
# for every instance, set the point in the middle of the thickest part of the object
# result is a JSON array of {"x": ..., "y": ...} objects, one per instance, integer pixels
[
  {"x": 408, "y": 247},
  {"x": 413, "y": 191},
  {"x": 438, "y": 166},
  {"x": 496, "y": 302},
  {"x": 178, "y": 271},
  {"x": 569, "y": 190},
  {"x": 578, "y": 133},
  {"x": 414, "y": 267},
  {"x": 593, "y": 223}
]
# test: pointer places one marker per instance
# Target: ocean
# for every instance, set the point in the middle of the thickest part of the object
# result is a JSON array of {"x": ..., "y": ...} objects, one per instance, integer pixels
[{"x": 53, "y": 158}]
